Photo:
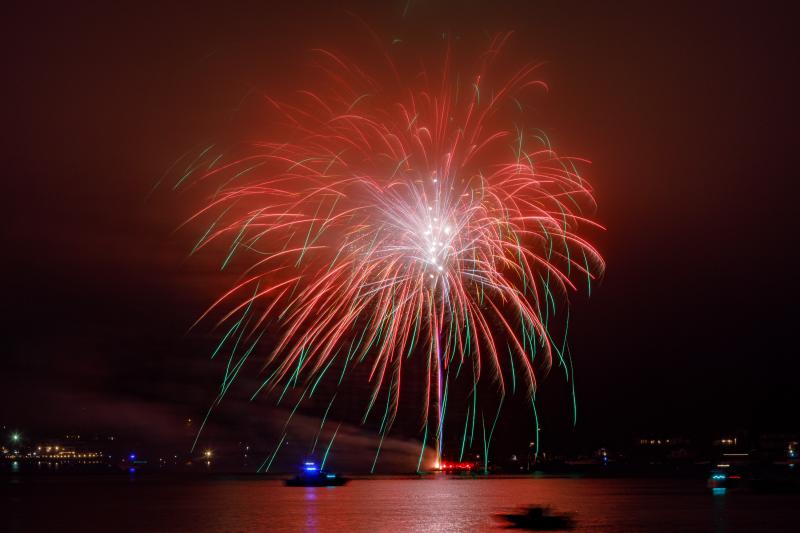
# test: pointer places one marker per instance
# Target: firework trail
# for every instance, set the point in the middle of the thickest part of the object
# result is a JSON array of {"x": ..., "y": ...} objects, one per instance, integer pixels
[{"x": 413, "y": 222}]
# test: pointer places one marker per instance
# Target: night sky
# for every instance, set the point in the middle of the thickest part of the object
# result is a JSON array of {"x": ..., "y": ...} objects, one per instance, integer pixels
[{"x": 687, "y": 113}]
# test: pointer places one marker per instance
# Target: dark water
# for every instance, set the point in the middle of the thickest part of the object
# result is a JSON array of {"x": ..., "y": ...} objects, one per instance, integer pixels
[{"x": 390, "y": 505}]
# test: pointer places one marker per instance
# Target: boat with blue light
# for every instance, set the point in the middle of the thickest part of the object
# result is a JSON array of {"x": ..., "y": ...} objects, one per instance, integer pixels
[
  {"x": 722, "y": 479},
  {"x": 314, "y": 476}
]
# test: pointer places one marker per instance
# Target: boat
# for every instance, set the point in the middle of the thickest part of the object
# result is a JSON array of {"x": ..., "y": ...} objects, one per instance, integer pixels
[
  {"x": 721, "y": 479},
  {"x": 538, "y": 519},
  {"x": 455, "y": 467},
  {"x": 313, "y": 476}
]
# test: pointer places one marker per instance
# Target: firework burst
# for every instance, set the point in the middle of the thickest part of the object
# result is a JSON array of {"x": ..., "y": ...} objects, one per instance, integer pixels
[{"x": 394, "y": 224}]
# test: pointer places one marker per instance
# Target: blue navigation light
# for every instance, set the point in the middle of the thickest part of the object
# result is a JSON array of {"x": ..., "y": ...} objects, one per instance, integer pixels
[
  {"x": 330, "y": 476},
  {"x": 132, "y": 457},
  {"x": 132, "y": 470}
]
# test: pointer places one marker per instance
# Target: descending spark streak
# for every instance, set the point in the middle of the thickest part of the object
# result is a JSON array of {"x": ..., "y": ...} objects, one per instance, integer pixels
[{"x": 398, "y": 220}]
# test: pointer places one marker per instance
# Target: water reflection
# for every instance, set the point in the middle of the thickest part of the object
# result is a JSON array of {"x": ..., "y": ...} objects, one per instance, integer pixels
[
  {"x": 718, "y": 512},
  {"x": 311, "y": 522},
  {"x": 389, "y": 505}
]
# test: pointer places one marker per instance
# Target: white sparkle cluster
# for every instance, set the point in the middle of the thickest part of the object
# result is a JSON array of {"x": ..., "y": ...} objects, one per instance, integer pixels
[{"x": 436, "y": 240}]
